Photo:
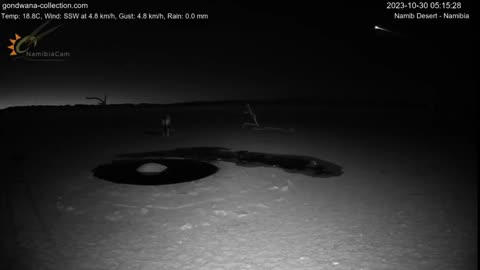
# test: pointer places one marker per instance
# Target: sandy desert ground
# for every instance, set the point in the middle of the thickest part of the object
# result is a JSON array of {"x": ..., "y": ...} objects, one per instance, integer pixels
[{"x": 407, "y": 198}]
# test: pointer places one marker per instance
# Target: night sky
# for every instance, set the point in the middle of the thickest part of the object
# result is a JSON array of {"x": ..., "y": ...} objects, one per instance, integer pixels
[{"x": 243, "y": 51}]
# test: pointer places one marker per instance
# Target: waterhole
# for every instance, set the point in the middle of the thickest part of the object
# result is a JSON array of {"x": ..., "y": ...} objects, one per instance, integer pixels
[{"x": 158, "y": 171}]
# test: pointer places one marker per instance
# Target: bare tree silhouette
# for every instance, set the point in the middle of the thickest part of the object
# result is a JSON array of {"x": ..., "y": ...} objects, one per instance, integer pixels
[
  {"x": 100, "y": 101},
  {"x": 256, "y": 126},
  {"x": 250, "y": 112}
]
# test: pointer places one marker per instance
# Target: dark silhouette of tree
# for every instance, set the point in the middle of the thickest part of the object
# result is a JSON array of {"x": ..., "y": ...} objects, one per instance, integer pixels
[{"x": 100, "y": 101}]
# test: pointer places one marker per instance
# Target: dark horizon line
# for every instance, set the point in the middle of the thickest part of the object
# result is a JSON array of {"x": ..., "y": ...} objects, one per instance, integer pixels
[{"x": 338, "y": 102}]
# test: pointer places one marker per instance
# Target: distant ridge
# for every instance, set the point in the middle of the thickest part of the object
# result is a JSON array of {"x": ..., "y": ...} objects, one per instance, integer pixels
[{"x": 311, "y": 101}]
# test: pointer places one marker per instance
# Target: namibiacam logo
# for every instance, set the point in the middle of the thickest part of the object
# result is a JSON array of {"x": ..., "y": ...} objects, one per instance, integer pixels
[{"x": 25, "y": 45}]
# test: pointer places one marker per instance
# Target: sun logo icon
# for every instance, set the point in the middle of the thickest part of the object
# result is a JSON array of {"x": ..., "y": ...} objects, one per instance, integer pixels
[{"x": 12, "y": 47}]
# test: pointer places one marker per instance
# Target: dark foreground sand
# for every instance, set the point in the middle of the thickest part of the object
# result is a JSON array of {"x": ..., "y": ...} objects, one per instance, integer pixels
[{"x": 407, "y": 198}]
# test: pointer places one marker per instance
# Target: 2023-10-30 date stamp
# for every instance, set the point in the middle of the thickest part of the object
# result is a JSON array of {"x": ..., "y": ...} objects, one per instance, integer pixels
[{"x": 428, "y": 10}]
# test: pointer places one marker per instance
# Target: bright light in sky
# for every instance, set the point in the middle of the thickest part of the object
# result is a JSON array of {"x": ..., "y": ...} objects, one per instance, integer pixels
[{"x": 381, "y": 28}]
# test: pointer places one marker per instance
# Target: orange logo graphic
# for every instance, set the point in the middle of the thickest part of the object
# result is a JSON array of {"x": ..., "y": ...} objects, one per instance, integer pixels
[{"x": 12, "y": 47}]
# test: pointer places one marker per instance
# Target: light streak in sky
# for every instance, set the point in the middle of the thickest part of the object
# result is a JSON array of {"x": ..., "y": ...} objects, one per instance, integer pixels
[{"x": 381, "y": 29}]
